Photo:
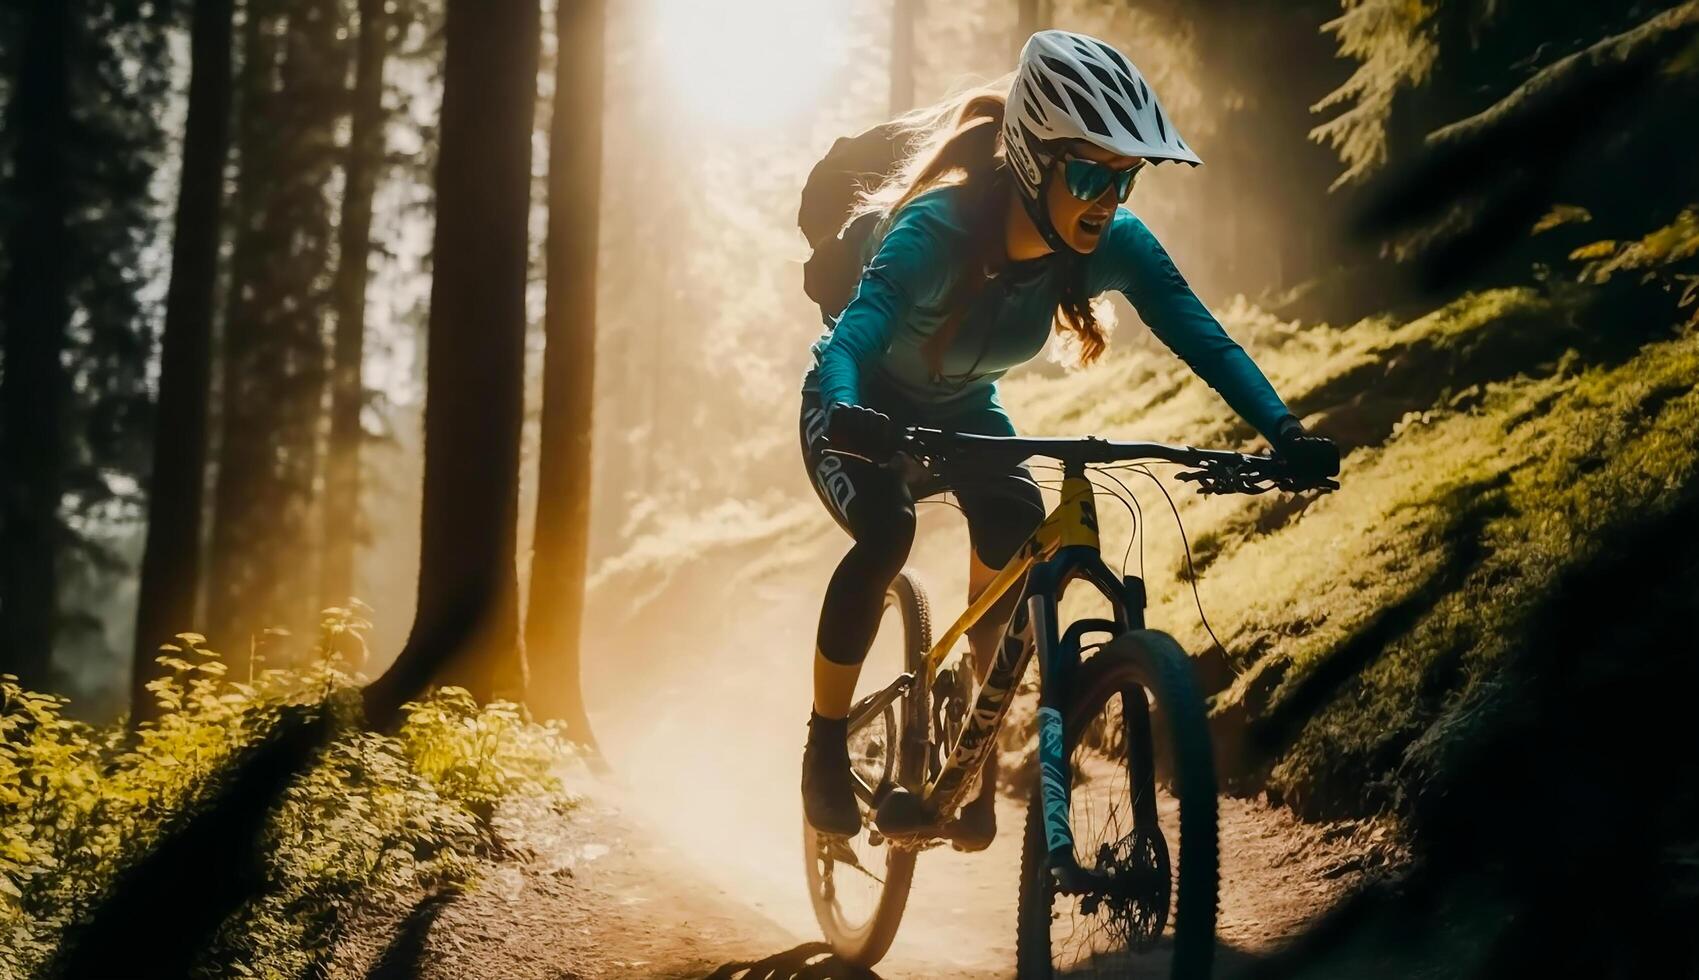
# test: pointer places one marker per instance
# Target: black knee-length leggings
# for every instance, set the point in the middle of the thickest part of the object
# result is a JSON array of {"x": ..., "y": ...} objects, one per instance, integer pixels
[{"x": 875, "y": 506}]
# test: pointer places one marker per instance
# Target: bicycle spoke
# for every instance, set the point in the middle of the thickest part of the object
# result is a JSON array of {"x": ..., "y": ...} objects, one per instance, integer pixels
[
  {"x": 850, "y": 906},
  {"x": 1097, "y": 932}
]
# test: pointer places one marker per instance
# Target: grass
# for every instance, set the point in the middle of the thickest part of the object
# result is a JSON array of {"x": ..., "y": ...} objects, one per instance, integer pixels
[
  {"x": 1496, "y": 446},
  {"x": 1522, "y": 436}
]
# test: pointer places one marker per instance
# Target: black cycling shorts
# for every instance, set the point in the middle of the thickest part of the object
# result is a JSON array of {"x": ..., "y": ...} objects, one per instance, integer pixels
[{"x": 1003, "y": 507}]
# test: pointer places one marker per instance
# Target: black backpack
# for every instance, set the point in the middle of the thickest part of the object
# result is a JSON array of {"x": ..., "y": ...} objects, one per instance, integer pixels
[{"x": 830, "y": 275}]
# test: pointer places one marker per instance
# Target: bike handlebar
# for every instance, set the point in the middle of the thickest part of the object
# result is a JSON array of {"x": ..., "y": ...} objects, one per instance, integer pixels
[{"x": 1213, "y": 470}]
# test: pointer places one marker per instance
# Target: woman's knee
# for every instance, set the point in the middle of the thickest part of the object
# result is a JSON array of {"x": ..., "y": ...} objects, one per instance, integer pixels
[
  {"x": 1001, "y": 526},
  {"x": 884, "y": 540}
]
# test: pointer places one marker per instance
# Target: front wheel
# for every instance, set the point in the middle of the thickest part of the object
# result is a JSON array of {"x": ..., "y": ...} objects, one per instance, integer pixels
[
  {"x": 860, "y": 886},
  {"x": 1134, "y": 698}
]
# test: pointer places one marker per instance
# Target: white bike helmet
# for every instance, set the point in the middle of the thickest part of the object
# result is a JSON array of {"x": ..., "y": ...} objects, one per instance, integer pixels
[{"x": 1070, "y": 86}]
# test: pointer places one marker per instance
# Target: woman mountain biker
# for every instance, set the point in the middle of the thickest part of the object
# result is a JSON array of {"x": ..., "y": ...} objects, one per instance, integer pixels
[{"x": 1003, "y": 221}]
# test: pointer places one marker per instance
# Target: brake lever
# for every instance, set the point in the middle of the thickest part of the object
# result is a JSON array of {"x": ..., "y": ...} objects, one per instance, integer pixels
[{"x": 1228, "y": 480}]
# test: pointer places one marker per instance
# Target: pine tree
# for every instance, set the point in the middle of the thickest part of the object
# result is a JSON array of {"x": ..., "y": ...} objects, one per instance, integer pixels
[
  {"x": 36, "y": 308},
  {"x": 86, "y": 80},
  {"x": 275, "y": 352},
  {"x": 170, "y": 573},
  {"x": 554, "y": 618},
  {"x": 363, "y": 167},
  {"x": 466, "y": 629}
]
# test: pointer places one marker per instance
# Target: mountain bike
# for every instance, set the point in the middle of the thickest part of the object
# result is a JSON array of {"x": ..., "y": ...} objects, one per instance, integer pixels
[{"x": 1099, "y": 881}]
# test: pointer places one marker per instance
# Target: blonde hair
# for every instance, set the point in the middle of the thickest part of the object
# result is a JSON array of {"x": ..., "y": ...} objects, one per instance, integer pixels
[{"x": 959, "y": 142}]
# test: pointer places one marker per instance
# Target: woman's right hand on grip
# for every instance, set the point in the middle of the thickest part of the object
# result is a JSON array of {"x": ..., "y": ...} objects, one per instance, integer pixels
[{"x": 863, "y": 431}]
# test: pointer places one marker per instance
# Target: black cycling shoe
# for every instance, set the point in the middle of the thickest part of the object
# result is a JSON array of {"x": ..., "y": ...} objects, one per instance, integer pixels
[
  {"x": 903, "y": 814},
  {"x": 975, "y": 827},
  {"x": 828, "y": 795}
]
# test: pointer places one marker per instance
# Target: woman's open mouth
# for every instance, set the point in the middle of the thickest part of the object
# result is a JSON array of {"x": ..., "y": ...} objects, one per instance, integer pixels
[{"x": 1093, "y": 225}]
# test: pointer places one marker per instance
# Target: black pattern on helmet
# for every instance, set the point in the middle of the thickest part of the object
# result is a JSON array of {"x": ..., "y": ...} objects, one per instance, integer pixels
[{"x": 1089, "y": 92}]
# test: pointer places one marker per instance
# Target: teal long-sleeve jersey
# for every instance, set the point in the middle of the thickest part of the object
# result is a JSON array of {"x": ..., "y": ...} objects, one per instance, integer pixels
[{"x": 874, "y": 349}]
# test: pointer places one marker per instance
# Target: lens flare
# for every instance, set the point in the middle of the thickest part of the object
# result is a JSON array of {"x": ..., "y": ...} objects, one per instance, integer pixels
[{"x": 749, "y": 63}]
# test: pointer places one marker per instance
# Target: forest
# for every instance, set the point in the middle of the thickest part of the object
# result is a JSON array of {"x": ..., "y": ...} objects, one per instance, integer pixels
[{"x": 406, "y": 569}]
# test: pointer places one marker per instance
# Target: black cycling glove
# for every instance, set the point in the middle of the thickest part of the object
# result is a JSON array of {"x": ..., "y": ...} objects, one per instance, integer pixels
[
  {"x": 1312, "y": 456},
  {"x": 863, "y": 432}
]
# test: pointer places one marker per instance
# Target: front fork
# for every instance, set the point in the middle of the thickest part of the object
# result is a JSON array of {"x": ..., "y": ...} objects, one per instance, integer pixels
[{"x": 1058, "y": 662}]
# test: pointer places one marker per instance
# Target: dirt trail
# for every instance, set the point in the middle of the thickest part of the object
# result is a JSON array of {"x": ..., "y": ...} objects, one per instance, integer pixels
[
  {"x": 607, "y": 894},
  {"x": 691, "y": 864}
]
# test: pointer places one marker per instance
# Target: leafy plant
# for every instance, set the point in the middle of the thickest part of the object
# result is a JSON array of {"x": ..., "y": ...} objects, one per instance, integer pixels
[
  {"x": 1667, "y": 257},
  {"x": 374, "y": 820}
]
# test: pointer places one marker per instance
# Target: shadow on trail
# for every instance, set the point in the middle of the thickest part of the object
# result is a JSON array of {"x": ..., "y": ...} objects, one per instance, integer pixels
[
  {"x": 813, "y": 961},
  {"x": 1230, "y": 963},
  {"x": 405, "y": 953},
  {"x": 162, "y": 914},
  {"x": 810, "y": 961}
]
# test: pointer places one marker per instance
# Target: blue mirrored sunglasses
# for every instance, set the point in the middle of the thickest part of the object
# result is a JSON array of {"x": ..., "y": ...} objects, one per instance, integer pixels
[{"x": 1088, "y": 179}]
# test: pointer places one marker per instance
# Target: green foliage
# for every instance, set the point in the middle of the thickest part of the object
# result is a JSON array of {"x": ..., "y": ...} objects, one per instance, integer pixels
[
  {"x": 1394, "y": 45},
  {"x": 1546, "y": 472},
  {"x": 1668, "y": 257},
  {"x": 1494, "y": 445},
  {"x": 374, "y": 820}
]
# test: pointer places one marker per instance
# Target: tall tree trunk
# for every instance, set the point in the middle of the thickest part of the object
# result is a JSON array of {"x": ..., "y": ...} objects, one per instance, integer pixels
[
  {"x": 365, "y": 159},
  {"x": 554, "y": 619},
  {"x": 170, "y": 574},
  {"x": 36, "y": 309},
  {"x": 276, "y": 350},
  {"x": 1031, "y": 16},
  {"x": 466, "y": 628},
  {"x": 902, "y": 55},
  {"x": 241, "y": 440}
]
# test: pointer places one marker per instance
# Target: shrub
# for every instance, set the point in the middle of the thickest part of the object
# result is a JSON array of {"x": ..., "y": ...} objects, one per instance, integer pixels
[{"x": 375, "y": 819}]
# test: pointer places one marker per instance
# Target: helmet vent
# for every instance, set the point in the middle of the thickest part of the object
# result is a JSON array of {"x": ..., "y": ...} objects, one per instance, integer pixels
[
  {"x": 1131, "y": 90},
  {"x": 1102, "y": 74},
  {"x": 1049, "y": 91},
  {"x": 1033, "y": 107},
  {"x": 1033, "y": 147},
  {"x": 1114, "y": 56},
  {"x": 1161, "y": 124},
  {"x": 1126, "y": 120},
  {"x": 1067, "y": 71},
  {"x": 1093, "y": 120}
]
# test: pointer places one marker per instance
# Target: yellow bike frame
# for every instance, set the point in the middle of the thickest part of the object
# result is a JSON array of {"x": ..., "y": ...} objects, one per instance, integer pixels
[{"x": 1072, "y": 522}]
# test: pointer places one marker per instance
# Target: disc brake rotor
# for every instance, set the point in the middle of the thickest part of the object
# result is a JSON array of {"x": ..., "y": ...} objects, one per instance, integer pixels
[{"x": 1133, "y": 901}]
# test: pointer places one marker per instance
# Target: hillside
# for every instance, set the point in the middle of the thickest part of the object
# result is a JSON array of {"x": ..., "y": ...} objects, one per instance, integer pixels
[{"x": 1428, "y": 643}]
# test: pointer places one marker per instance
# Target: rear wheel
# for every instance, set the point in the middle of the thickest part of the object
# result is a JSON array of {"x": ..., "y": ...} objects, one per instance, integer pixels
[
  {"x": 860, "y": 886},
  {"x": 1134, "y": 701}
]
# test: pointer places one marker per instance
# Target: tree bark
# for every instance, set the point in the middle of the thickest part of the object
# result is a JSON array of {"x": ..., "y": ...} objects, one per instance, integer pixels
[
  {"x": 560, "y": 548},
  {"x": 365, "y": 160},
  {"x": 265, "y": 542},
  {"x": 241, "y": 447},
  {"x": 466, "y": 628},
  {"x": 902, "y": 55},
  {"x": 1560, "y": 86},
  {"x": 1030, "y": 17},
  {"x": 36, "y": 310},
  {"x": 170, "y": 574}
]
